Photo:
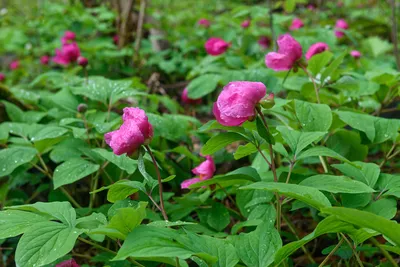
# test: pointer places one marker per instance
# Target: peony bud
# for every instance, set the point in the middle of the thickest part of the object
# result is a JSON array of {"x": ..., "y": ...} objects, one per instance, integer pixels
[
  {"x": 82, "y": 61},
  {"x": 268, "y": 101}
]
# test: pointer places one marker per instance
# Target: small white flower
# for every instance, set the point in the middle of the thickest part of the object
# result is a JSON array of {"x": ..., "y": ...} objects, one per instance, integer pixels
[{"x": 3, "y": 11}]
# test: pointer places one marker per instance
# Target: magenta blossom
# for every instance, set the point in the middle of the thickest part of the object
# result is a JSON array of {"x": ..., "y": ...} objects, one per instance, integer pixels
[
  {"x": 289, "y": 52},
  {"x": 185, "y": 99},
  {"x": 204, "y": 22},
  {"x": 296, "y": 24},
  {"x": 69, "y": 53},
  {"x": 216, "y": 46},
  {"x": 245, "y": 24},
  {"x": 116, "y": 39},
  {"x": 264, "y": 42},
  {"x": 14, "y": 65},
  {"x": 2, "y": 77},
  {"x": 316, "y": 49},
  {"x": 355, "y": 54},
  {"x": 237, "y": 101},
  {"x": 311, "y": 7},
  {"x": 68, "y": 263},
  {"x": 135, "y": 131},
  {"x": 204, "y": 171},
  {"x": 340, "y": 24},
  {"x": 44, "y": 60},
  {"x": 82, "y": 61},
  {"x": 68, "y": 37}
]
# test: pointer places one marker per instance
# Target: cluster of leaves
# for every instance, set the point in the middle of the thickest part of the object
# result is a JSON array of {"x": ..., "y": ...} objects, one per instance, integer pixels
[{"x": 320, "y": 172}]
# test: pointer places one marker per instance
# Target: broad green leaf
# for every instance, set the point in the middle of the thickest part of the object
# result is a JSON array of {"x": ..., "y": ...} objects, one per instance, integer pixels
[
  {"x": 222, "y": 250},
  {"x": 225, "y": 180},
  {"x": 16, "y": 222},
  {"x": 11, "y": 158},
  {"x": 48, "y": 132},
  {"x": 289, "y": 5},
  {"x": 317, "y": 62},
  {"x": 385, "y": 207},
  {"x": 219, "y": 141},
  {"x": 123, "y": 161},
  {"x": 44, "y": 243},
  {"x": 377, "y": 45},
  {"x": 389, "y": 228},
  {"x": 92, "y": 221},
  {"x": 244, "y": 197},
  {"x": 367, "y": 173},
  {"x": 218, "y": 216},
  {"x": 333, "y": 66},
  {"x": 336, "y": 184},
  {"x": 61, "y": 211},
  {"x": 298, "y": 141},
  {"x": 126, "y": 219},
  {"x": 18, "y": 115},
  {"x": 328, "y": 225},
  {"x": 244, "y": 150},
  {"x": 203, "y": 85},
  {"x": 348, "y": 144},
  {"x": 264, "y": 132},
  {"x": 306, "y": 194},
  {"x": 322, "y": 151},
  {"x": 258, "y": 248},
  {"x": 313, "y": 117},
  {"x": 151, "y": 241},
  {"x": 122, "y": 189},
  {"x": 73, "y": 170},
  {"x": 65, "y": 100}
]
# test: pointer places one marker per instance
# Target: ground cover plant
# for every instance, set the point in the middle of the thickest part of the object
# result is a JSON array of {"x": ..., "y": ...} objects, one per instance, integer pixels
[{"x": 199, "y": 133}]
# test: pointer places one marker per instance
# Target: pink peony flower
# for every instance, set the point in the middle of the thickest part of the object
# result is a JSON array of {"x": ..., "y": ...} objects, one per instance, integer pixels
[
  {"x": 216, "y": 46},
  {"x": 340, "y": 24},
  {"x": 237, "y": 101},
  {"x": 68, "y": 263},
  {"x": 204, "y": 22},
  {"x": 44, "y": 60},
  {"x": 289, "y": 52},
  {"x": 69, "y": 53},
  {"x": 134, "y": 132},
  {"x": 245, "y": 24},
  {"x": 316, "y": 49},
  {"x": 82, "y": 61},
  {"x": 355, "y": 54},
  {"x": 14, "y": 65},
  {"x": 68, "y": 37},
  {"x": 116, "y": 39},
  {"x": 311, "y": 7},
  {"x": 205, "y": 171},
  {"x": 2, "y": 77},
  {"x": 264, "y": 42},
  {"x": 185, "y": 99},
  {"x": 296, "y": 24}
]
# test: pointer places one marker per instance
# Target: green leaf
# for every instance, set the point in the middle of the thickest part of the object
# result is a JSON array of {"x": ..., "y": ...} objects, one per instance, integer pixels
[
  {"x": 298, "y": 141},
  {"x": 390, "y": 229},
  {"x": 348, "y": 144},
  {"x": 377, "y": 45},
  {"x": 336, "y": 184},
  {"x": 122, "y": 189},
  {"x": 385, "y": 207},
  {"x": 16, "y": 222},
  {"x": 48, "y": 132},
  {"x": 367, "y": 173},
  {"x": 333, "y": 66},
  {"x": 73, "y": 170},
  {"x": 61, "y": 211},
  {"x": 328, "y": 225},
  {"x": 317, "y": 62},
  {"x": 11, "y": 158},
  {"x": 218, "y": 217},
  {"x": 44, "y": 243},
  {"x": 322, "y": 151},
  {"x": 219, "y": 141},
  {"x": 221, "y": 249},
  {"x": 150, "y": 241},
  {"x": 245, "y": 150},
  {"x": 225, "y": 180},
  {"x": 203, "y": 85},
  {"x": 126, "y": 219},
  {"x": 258, "y": 248},
  {"x": 264, "y": 132},
  {"x": 18, "y": 115},
  {"x": 313, "y": 117},
  {"x": 289, "y": 5},
  {"x": 306, "y": 194},
  {"x": 244, "y": 197},
  {"x": 123, "y": 161}
]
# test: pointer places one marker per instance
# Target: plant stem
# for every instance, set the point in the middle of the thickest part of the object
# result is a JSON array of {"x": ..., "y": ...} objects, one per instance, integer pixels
[
  {"x": 290, "y": 172},
  {"x": 160, "y": 187},
  {"x": 384, "y": 252},
  {"x": 107, "y": 250},
  {"x": 394, "y": 33},
  {"x": 226, "y": 193},
  {"x": 323, "y": 164},
  {"x": 271, "y": 23},
  {"x": 331, "y": 253},
  {"x": 353, "y": 249},
  {"x": 387, "y": 155},
  {"x": 293, "y": 229},
  {"x": 313, "y": 81},
  {"x": 273, "y": 169},
  {"x": 139, "y": 28}
]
